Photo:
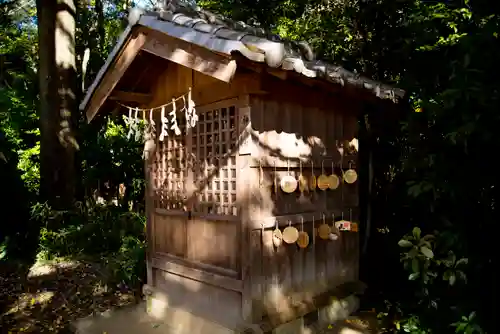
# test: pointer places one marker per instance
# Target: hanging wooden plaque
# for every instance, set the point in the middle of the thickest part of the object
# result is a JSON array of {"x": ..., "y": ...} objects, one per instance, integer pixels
[
  {"x": 303, "y": 239},
  {"x": 333, "y": 181},
  {"x": 290, "y": 235},
  {"x": 277, "y": 237},
  {"x": 303, "y": 186},
  {"x": 354, "y": 227},
  {"x": 350, "y": 176},
  {"x": 312, "y": 182},
  {"x": 334, "y": 231},
  {"x": 343, "y": 225},
  {"x": 288, "y": 184},
  {"x": 323, "y": 182},
  {"x": 324, "y": 231}
]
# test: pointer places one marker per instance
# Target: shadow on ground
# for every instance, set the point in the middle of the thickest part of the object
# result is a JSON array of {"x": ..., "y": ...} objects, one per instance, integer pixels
[{"x": 49, "y": 298}]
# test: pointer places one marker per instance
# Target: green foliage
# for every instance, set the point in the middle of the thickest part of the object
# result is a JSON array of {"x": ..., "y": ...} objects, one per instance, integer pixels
[
  {"x": 112, "y": 159},
  {"x": 467, "y": 325},
  {"x": 29, "y": 165},
  {"x": 86, "y": 230},
  {"x": 128, "y": 265},
  {"x": 95, "y": 232}
]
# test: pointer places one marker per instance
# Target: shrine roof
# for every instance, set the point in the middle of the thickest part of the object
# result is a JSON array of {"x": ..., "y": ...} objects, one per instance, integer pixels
[{"x": 224, "y": 36}]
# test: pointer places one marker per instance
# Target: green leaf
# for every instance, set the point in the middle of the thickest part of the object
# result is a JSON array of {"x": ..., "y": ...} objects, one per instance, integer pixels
[
  {"x": 425, "y": 277},
  {"x": 415, "y": 265},
  {"x": 427, "y": 252},
  {"x": 461, "y": 275},
  {"x": 428, "y": 237},
  {"x": 404, "y": 243},
  {"x": 416, "y": 233},
  {"x": 450, "y": 259},
  {"x": 414, "y": 276},
  {"x": 424, "y": 243},
  {"x": 413, "y": 252},
  {"x": 462, "y": 261},
  {"x": 452, "y": 279}
]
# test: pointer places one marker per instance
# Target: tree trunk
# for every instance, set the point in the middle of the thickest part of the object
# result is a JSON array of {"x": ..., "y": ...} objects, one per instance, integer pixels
[
  {"x": 58, "y": 108},
  {"x": 100, "y": 26}
]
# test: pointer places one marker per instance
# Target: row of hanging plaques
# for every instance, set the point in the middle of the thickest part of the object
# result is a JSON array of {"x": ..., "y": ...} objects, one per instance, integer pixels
[
  {"x": 292, "y": 235},
  {"x": 289, "y": 183}
]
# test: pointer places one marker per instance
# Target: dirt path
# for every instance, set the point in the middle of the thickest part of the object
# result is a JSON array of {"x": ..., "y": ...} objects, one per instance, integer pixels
[{"x": 48, "y": 298}]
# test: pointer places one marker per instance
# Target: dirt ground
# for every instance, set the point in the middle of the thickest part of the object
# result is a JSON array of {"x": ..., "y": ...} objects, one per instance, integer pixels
[{"x": 48, "y": 298}]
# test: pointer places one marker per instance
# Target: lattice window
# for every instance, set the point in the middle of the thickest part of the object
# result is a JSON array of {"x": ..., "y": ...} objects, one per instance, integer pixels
[
  {"x": 171, "y": 170},
  {"x": 214, "y": 147}
]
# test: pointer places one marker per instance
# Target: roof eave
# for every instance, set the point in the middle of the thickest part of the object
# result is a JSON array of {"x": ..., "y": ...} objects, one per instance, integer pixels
[
  {"x": 133, "y": 20},
  {"x": 254, "y": 48}
]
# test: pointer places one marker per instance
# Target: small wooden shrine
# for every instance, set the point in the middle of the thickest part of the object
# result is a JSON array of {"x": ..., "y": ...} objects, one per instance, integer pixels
[{"x": 251, "y": 162}]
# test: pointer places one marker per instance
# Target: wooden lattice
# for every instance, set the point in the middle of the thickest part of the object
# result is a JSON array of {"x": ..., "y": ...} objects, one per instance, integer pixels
[
  {"x": 214, "y": 146},
  {"x": 171, "y": 170},
  {"x": 211, "y": 156}
]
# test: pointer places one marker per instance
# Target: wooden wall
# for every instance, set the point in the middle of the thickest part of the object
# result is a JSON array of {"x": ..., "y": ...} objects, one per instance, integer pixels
[{"x": 289, "y": 138}]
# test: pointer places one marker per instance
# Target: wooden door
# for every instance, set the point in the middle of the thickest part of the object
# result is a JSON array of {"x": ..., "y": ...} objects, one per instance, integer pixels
[{"x": 196, "y": 218}]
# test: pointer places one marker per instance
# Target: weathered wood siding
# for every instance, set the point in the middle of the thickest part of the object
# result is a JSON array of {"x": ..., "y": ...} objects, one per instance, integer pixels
[
  {"x": 199, "y": 240},
  {"x": 286, "y": 139},
  {"x": 291, "y": 138}
]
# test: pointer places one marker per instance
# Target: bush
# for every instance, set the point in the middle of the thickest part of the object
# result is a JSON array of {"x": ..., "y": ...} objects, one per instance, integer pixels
[
  {"x": 95, "y": 232},
  {"x": 128, "y": 265}
]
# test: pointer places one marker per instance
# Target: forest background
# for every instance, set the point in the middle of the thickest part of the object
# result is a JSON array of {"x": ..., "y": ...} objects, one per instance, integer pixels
[{"x": 429, "y": 260}]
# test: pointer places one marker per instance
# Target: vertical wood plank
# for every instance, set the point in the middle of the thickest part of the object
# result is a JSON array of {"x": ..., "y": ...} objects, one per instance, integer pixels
[
  {"x": 333, "y": 195},
  {"x": 331, "y": 254},
  {"x": 297, "y": 267},
  {"x": 335, "y": 200},
  {"x": 150, "y": 222},
  {"x": 243, "y": 199},
  {"x": 190, "y": 162},
  {"x": 269, "y": 271},
  {"x": 256, "y": 275},
  {"x": 311, "y": 256},
  {"x": 339, "y": 138},
  {"x": 297, "y": 124},
  {"x": 321, "y": 256},
  {"x": 284, "y": 257}
]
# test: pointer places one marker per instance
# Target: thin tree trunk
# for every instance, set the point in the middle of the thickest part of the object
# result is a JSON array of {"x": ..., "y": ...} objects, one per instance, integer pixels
[
  {"x": 100, "y": 26},
  {"x": 58, "y": 109}
]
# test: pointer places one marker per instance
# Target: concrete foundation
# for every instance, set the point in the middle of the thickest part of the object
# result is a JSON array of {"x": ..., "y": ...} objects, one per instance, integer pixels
[{"x": 155, "y": 316}]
